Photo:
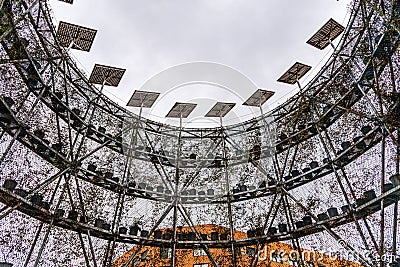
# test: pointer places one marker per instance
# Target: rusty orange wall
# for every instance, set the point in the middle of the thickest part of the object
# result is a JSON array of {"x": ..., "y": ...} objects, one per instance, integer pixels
[{"x": 222, "y": 256}]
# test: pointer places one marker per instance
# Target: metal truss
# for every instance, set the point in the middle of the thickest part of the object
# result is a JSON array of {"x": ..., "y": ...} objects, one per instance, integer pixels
[{"x": 83, "y": 178}]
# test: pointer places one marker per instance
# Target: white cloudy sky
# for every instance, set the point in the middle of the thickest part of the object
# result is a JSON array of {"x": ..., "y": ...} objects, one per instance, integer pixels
[{"x": 260, "y": 38}]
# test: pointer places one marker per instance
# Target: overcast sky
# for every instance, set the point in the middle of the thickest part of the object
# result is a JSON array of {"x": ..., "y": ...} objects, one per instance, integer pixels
[{"x": 260, "y": 38}]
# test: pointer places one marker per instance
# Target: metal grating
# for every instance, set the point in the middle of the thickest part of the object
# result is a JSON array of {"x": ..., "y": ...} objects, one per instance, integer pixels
[
  {"x": 295, "y": 73},
  {"x": 106, "y": 75},
  {"x": 181, "y": 110},
  {"x": 143, "y": 99},
  {"x": 259, "y": 98},
  {"x": 220, "y": 109},
  {"x": 80, "y": 37},
  {"x": 327, "y": 33}
]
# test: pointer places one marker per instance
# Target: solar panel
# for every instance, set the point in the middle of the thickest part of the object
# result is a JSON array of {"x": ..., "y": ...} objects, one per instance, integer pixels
[
  {"x": 81, "y": 38},
  {"x": 220, "y": 109},
  {"x": 181, "y": 110},
  {"x": 67, "y": 1},
  {"x": 294, "y": 74},
  {"x": 106, "y": 75},
  {"x": 258, "y": 98},
  {"x": 143, "y": 99},
  {"x": 327, "y": 33}
]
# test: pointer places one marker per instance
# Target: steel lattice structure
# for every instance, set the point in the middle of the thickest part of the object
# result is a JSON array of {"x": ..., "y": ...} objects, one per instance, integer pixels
[{"x": 84, "y": 179}]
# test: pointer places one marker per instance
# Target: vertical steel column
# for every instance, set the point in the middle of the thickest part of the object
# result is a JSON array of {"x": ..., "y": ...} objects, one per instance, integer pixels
[
  {"x": 121, "y": 195},
  {"x": 33, "y": 245},
  {"x": 228, "y": 194},
  {"x": 289, "y": 218},
  {"x": 382, "y": 222},
  {"x": 255, "y": 258},
  {"x": 396, "y": 205},
  {"x": 90, "y": 118},
  {"x": 37, "y": 235},
  {"x": 44, "y": 242},
  {"x": 185, "y": 214},
  {"x": 142, "y": 243},
  {"x": 176, "y": 196},
  {"x": 338, "y": 177},
  {"x": 277, "y": 171},
  {"x": 84, "y": 214}
]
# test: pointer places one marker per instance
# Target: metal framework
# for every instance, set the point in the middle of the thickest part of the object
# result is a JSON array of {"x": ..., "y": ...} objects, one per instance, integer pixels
[{"x": 75, "y": 191}]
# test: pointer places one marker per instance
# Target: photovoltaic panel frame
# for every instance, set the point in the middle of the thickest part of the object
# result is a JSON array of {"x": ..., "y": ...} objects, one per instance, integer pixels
[
  {"x": 80, "y": 37},
  {"x": 67, "y": 1},
  {"x": 220, "y": 109},
  {"x": 295, "y": 73},
  {"x": 258, "y": 98},
  {"x": 181, "y": 110},
  {"x": 143, "y": 99},
  {"x": 106, "y": 75},
  {"x": 327, "y": 33}
]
